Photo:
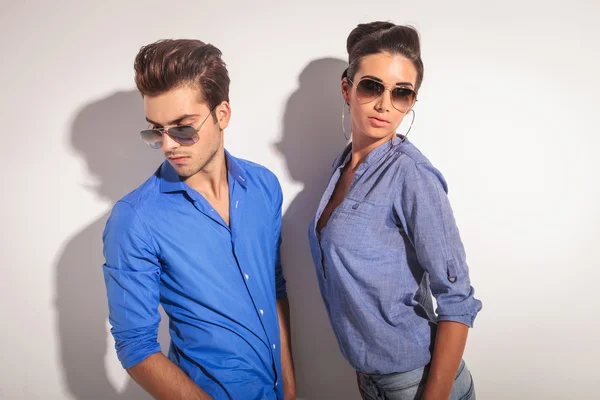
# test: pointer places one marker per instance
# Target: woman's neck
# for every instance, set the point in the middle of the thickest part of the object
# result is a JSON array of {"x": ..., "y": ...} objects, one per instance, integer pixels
[{"x": 362, "y": 145}]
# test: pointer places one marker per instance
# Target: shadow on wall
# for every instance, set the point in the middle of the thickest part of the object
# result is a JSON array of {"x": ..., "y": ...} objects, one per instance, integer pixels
[
  {"x": 105, "y": 134},
  {"x": 311, "y": 139}
]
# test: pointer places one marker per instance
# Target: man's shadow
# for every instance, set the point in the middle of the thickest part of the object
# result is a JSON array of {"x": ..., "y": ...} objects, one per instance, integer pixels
[
  {"x": 312, "y": 137},
  {"x": 104, "y": 134}
]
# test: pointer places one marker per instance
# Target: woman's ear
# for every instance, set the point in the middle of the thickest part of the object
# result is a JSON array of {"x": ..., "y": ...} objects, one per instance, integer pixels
[{"x": 346, "y": 90}]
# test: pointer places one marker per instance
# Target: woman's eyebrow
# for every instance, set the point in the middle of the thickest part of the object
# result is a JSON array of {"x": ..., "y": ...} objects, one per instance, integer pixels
[{"x": 379, "y": 80}]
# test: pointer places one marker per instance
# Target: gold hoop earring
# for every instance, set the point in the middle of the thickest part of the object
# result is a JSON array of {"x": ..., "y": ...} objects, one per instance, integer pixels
[
  {"x": 411, "y": 124},
  {"x": 344, "y": 120}
]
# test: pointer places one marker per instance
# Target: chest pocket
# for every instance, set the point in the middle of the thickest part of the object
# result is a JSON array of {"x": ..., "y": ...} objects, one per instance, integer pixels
[
  {"x": 362, "y": 223},
  {"x": 367, "y": 209}
]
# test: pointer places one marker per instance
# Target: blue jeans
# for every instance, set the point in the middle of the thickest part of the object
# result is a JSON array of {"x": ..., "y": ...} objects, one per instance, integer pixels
[{"x": 410, "y": 385}]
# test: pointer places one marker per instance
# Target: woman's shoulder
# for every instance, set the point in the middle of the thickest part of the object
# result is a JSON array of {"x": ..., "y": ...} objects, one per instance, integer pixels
[
  {"x": 413, "y": 164},
  {"x": 412, "y": 155},
  {"x": 341, "y": 157}
]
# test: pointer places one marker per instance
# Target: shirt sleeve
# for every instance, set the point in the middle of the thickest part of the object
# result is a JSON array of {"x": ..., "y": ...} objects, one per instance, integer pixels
[
  {"x": 280, "y": 283},
  {"x": 427, "y": 216},
  {"x": 132, "y": 278}
]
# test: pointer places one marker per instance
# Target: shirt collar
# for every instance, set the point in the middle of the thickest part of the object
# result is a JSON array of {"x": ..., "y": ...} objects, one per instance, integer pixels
[
  {"x": 171, "y": 182},
  {"x": 375, "y": 155},
  {"x": 235, "y": 169}
]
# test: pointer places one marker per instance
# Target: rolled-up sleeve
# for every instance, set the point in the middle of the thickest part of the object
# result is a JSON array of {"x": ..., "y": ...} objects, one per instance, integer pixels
[
  {"x": 428, "y": 218},
  {"x": 132, "y": 278},
  {"x": 280, "y": 283}
]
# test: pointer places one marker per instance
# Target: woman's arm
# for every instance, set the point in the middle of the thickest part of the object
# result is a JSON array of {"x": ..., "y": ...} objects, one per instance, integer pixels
[
  {"x": 426, "y": 215},
  {"x": 447, "y": 354}
]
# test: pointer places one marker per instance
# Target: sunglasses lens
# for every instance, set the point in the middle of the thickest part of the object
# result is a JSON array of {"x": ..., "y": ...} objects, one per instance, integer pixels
[
  {"x": 403, "y": 99},
  {"x": 152, "y": 137},
  {"x": 368, "y": 90},
  {"x": 185, "y": 134}
]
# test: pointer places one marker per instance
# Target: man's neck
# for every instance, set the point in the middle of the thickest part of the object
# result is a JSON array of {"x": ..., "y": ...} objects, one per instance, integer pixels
[{"x": 212, "y": 182}]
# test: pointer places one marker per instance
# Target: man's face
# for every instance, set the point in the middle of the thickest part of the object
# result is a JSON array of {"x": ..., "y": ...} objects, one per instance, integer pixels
[{"x": 183, "y": 106}]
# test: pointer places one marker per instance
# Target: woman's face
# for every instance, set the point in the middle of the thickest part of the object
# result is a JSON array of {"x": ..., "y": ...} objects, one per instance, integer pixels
[{"x": 381, "y": 95}]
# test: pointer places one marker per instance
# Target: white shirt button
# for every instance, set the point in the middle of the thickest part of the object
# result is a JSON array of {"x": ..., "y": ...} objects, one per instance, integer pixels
[
  {"x": 274, "y": 346},
  {"x": 247, "y": 276},
  {"x": 262, "y": 312}
]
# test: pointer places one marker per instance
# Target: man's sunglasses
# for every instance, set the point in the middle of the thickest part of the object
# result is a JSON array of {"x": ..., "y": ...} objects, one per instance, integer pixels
[
  {"x": 369, "y": 89},
  {"x": 185, "y": 135}
]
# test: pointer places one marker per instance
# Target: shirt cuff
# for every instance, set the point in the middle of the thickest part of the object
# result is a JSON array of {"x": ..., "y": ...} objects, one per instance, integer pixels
[
  {"x": 133, "y": 351},
  {"x": 467, "y": 320}
]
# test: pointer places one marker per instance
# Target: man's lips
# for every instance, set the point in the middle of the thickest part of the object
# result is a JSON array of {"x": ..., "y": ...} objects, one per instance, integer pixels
[{"x": 177, "y": 158}]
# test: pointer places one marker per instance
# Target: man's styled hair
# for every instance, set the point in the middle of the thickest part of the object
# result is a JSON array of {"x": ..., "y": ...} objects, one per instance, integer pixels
[{"x": 169, "y": 64}]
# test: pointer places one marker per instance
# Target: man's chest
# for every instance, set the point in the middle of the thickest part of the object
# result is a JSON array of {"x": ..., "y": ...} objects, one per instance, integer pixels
[{"x": 195, "y": 244}]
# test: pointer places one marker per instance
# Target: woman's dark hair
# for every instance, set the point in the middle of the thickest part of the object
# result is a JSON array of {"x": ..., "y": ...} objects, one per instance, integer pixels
[{"x": 380, "y": 36}]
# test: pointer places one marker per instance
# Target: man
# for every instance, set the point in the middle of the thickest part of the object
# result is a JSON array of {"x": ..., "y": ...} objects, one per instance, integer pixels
[{"x": 201, "y": 237}]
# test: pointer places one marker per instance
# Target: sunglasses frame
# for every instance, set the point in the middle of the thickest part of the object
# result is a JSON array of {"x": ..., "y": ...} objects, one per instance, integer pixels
[
  {"x": 385, "y": 88},
  {"x": 164, "y": 131}
]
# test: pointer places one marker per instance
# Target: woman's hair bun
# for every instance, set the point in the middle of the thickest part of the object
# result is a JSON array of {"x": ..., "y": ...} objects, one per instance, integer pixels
[{"x": 363, "y": 30}]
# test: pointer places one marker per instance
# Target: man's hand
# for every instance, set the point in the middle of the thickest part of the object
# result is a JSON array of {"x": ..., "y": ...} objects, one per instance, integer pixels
[
  {"x": 163, "y": 380},
  {"x": 287, "y": 363}
]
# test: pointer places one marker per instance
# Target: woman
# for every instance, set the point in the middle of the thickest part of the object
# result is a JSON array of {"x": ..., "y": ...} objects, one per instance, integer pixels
[{"x": 384, "y": 237}]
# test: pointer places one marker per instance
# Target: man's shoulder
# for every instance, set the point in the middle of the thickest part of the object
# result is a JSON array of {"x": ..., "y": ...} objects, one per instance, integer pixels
[
  {"x": 145, "y": 195},
  {"x": 257, "y": 172}
]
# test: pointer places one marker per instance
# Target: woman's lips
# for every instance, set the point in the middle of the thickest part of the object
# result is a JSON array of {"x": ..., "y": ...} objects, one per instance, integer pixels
[{"x": 379, "y": 122}]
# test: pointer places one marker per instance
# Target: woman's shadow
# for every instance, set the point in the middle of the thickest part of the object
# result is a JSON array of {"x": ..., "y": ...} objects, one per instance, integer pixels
[
  {"x": 312, "y": 137},
  {"x": 104, "y": 134}
]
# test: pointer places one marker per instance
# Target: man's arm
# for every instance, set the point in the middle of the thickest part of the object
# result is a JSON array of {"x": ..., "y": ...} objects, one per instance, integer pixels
[
  {"x": 132, "y": 278},
  {"x": 447, "y": 353},
  {"x": 283, "y": 305},
  {"x": 163, "y": 380},
  {"x": 287, "y": 362}
]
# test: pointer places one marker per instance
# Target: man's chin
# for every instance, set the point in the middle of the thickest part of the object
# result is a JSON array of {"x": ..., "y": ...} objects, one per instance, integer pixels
[{"x": 184, "y": 171}]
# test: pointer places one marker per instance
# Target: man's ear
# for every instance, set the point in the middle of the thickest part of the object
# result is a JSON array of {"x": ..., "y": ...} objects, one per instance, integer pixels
[{"x": 223, "y": 114}]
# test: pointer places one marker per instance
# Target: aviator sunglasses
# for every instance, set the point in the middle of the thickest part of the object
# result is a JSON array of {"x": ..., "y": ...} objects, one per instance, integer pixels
[
  {"x": 185, "y": 135},
  {"x": 369, "y": 89}
]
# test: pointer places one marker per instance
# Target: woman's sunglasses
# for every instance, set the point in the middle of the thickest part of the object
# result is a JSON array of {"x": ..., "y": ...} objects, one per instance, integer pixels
[
  {"x": 185, "y": 135},
  {"x": 369, "y": 89}
]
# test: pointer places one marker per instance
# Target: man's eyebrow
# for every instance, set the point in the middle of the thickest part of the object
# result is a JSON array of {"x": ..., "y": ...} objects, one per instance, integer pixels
[{"x": 175, "y": 121}]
